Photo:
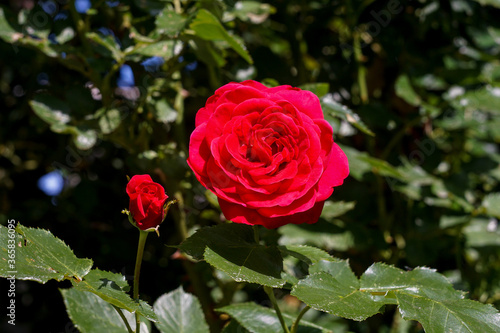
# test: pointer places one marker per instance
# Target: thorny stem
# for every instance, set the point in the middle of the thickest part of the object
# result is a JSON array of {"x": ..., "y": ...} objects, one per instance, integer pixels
[
  {"x": 143, "y": 235},
  {"x": 270, "y": 293}
]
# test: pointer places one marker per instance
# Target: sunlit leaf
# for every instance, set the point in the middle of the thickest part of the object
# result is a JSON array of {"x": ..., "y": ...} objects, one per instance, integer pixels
[
  {"x": 179, "y": 312},
  {"x": 39, "y": 256},
  {"x": 207, "y": 26}
]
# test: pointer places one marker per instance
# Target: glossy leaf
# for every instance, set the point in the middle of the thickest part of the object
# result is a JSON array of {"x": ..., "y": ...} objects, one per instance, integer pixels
[
  {"x": 232, "y": 249},
  {"x": 332, "y": 287},
  {"x": 113, "y": 288},
  {"x": 40, "y": 256},
  {"x": 91, "y": 314},
  {"x": 207, "y": 26},
  {"x": 179, "y": 312},
  {"x": 449, "y": 315}
]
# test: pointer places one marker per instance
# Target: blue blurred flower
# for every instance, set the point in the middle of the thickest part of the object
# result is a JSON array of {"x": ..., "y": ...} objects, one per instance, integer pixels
[
  {"x": 42, "y": 79},
  {"x": 63, "y": 15},
  {"x": 48, "y": 6},
  {"x": 153, "y": 64},
  {"x": 126, "y": 77},
  {"x": 191, "y": 66},
  {"x": 112, "y": 4},
  {"x": 52, "y": 38},
  {"x": 52, "y": 183},
  {"x": 82, "y": 6},
  {"x": 106, "y": 31}
]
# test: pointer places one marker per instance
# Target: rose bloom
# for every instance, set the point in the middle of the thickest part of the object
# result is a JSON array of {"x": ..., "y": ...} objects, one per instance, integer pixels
[
  {"x": 266, "y": 153},
  {"x": 147, "y": 200}
]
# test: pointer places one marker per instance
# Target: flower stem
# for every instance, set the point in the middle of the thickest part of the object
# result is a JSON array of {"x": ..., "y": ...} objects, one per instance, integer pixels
[
  {"x": 270, "y": 292},
  {"x": 120, "y": 312},
  {"x": 143, "y": 235},
  {"x": 295, "y": 325}
]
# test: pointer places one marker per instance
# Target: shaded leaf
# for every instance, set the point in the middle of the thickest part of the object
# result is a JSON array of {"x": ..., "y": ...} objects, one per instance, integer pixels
[
  {"x": 406, "y": 92},
  {"x": 258, "y": 319},
  {"x": 108, "y": 42},
  {"x": 39, "y": 256},
  {"x": 112, "y": 287},
  {"x": 91, "y": 314},
  {"x": 179, "y": 312},
  {"x": 231, "y": 248}
]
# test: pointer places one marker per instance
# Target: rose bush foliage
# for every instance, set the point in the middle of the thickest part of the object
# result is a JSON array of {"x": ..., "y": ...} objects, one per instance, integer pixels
[
  {"x": 267, "y": 153},
  {"x": 147, "y": 201}
]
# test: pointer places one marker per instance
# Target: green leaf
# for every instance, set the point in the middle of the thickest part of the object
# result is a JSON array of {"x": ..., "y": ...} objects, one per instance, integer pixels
[
  {"x": 482, "y": 232},
  {"x": 165, "y": 49},
  {"x": 231, "y": 248},
  {"x": 108, "y": 43},
  {"x": 308, "y": 254},
  {"x": 7, "y": 32},
  {"x": 450, "y": 315},
  {"x": 332, "y": 108},
  {"x": 207, "y": 26},
  {"x": 91, "y": 314},
  {"x": 164, "y": 112},
  {"x": 421, "y": 294},
  {"x": 334, "y": 209},
  {"x": 250, "y": 11},
  {"x": 51, "y": 109},
  {"x": 319, "y": 89},
  {"x": 170, "y": 23},
  {"x": 298, "y": 258},
  {"x": 112, "y": 287},
  {"x": 234, "y": 327},
  {"x": 494, "y": 3},
  {"x": 322, "y": 234},
  {"x": 179, "y": 312},
  {"x": 405, "y": 91},
  {"x": 332, "y": 287},
  {"x": 382, "y": 279},
  {"x": 491, "y": 204},
  {"x": 109, "y": 121},
  {"x": 39, "y": 256},
  {"x": 85, "y": 139},
  {"x": 258, "y": 319}
]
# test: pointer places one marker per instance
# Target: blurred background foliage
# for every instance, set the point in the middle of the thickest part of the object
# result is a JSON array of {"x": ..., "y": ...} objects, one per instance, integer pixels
[{"x": 93, "y": 91}]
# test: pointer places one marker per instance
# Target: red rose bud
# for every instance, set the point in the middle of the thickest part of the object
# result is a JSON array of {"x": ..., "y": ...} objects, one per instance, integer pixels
[
  {"x": 266, "y": 153},
  {"x": 147, "y": 202}
]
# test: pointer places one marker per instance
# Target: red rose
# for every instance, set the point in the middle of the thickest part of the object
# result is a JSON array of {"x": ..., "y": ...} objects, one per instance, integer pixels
[
  {"x": 147, "y": 200},
  {"x": 267, "y": 153}
]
